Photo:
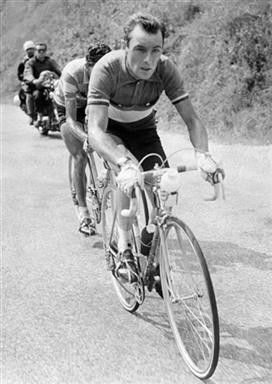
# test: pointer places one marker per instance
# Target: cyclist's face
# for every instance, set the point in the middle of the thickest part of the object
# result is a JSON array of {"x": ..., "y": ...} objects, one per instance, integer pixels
[
  {"x": 30, "y": 52},
  {"x": 143, "y": 52},
  {"x": 40, "y": 52}
]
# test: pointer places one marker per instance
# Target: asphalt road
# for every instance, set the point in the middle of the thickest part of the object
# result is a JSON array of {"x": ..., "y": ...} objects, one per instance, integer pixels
[{"x": 62, "y": 323}]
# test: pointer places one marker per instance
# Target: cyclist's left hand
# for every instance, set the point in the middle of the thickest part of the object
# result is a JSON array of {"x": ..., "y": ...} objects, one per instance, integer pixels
[
  {"x": 211, "y": 170},
  {"x": 128, "y": 177}
]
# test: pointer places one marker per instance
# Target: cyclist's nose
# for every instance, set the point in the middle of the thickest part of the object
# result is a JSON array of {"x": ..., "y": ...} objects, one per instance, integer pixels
[{"x": 148, "y": 58}]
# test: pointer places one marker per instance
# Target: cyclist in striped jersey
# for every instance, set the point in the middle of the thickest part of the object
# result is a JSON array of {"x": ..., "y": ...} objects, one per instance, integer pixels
[
  {"x": 124, "y": 87},
  {"x": 71, "y": 100}
]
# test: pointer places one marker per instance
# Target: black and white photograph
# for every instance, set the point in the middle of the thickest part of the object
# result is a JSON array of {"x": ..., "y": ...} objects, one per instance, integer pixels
[{"x": 136, "y": 191}]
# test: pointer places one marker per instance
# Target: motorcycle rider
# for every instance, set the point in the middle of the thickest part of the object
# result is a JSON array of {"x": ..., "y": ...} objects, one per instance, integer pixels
[
  {"x": 35, "y": 67},
  {"x": 29, "y": 48},
  {"x": 71, "y": 99}
]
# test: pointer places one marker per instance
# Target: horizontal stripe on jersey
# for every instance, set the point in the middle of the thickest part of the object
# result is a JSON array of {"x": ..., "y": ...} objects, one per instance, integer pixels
[{"x": 124, "y": 116}]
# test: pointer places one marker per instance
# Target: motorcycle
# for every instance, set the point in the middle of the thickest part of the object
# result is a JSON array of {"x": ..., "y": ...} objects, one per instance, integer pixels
[
  {"x": 48, "y": 119},
  {"x": 19, "y": 98}
]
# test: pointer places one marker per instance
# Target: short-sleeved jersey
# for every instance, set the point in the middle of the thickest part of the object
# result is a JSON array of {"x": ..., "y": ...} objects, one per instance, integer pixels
[
  {"x": 131, "y": 99},
  {"x": 73, "y": 83}
]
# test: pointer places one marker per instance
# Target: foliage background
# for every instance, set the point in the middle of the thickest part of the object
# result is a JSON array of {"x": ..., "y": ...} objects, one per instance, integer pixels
[{"x": 223, "y": 49}]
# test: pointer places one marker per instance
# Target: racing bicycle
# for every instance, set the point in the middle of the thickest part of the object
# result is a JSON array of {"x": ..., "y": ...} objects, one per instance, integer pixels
[
  {"x": 175, "y": 267},
  {"x": 175, "y": 261}
]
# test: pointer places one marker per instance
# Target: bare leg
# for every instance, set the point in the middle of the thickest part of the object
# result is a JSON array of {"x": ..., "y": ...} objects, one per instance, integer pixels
[
  {"x": 75, "y": 147},
  {"x": 80, "y": 161},
  {"x": 124, "y": 223}
]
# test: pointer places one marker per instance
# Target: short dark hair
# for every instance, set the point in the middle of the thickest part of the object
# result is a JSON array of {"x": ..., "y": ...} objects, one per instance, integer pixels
[
  {"x": 45, "y": 45},
  {"x": 96, "y": 51},
  {"x": 150, "y": 24}
]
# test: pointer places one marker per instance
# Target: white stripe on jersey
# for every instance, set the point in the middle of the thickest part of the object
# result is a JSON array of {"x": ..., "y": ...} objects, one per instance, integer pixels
[{"x": 124, "y": 116}]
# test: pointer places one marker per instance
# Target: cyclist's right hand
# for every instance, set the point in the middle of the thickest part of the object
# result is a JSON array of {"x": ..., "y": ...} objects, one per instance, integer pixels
[{"x": 128, "y": 176}]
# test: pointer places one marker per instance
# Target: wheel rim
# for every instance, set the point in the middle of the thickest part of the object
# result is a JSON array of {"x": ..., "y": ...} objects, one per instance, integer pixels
[{"x": 189, "y": 303}]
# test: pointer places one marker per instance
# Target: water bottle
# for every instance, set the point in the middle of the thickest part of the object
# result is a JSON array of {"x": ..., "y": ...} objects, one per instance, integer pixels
[
  {"x": 146, "y": 239},
  {"x": 170, "y": 181}
]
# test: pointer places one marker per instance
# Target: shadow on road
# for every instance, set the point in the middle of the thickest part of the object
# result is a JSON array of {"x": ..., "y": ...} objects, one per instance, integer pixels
[
  {"x": 225, "y": 254},
  {"x": 249, "y": 346},
  {"x": 156, "y": 316}
]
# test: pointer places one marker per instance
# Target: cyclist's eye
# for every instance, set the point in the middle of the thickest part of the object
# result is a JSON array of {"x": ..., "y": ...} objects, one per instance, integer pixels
[
  {"x": 156, "y": 50},
  {"x": 140, "y": 49}
]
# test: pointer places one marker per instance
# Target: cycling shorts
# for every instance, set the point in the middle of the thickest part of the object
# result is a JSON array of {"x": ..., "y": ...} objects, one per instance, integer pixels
[
  {"x": 62, "y": 114},
  {"x": 79, "y": 133},
  {"x": 140, "y": 138}
]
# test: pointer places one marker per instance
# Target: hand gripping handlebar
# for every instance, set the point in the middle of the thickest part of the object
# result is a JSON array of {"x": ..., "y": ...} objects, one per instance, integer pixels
[{"x": 218, "y": 186}]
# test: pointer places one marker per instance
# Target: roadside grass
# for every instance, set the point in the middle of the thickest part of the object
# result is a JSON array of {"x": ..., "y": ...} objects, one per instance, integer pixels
[{"x": 223, "y": 50}]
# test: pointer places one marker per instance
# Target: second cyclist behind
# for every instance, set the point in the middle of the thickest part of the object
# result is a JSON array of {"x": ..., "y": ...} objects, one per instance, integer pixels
[{"x": 71, "y": 100}]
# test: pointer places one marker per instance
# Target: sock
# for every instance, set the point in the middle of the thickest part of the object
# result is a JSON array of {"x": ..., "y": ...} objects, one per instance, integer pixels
[
  {"x": 123, "y": 240},
  {"x": 83, "y": 212}
]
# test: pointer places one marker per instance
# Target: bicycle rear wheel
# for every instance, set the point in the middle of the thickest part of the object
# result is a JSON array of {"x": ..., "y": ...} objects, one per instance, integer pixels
[
  {"x": 130, "y": 295},
  {"x": 189, "y": 297},
  {"x": 93, "y": 193}
]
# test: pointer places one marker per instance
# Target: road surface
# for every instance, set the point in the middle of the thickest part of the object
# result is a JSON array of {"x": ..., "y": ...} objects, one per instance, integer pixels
[{"x": 62, "y": 323}]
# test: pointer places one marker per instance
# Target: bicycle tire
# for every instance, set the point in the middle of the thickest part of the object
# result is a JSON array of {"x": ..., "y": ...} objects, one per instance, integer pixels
[
  {"x": 93, "y": 194},
  {"x": 195, "y": 327},
  {"x": 130, "y": 295}
]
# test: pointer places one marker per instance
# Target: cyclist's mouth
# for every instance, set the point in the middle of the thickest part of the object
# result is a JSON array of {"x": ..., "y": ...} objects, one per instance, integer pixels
[{"x": 146, "y": 69}]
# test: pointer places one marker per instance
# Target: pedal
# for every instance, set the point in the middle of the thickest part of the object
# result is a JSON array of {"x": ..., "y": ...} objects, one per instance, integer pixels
[
  {"x": 127, "y": 274},
  {"x": 139, "y": 292}
]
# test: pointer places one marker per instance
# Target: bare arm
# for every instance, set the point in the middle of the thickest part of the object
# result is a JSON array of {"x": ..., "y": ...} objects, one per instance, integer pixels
[
  {"x": 197, "y": 132},
  {"x": 71, "y": 118},
  {"x": 101, "y": 142}
]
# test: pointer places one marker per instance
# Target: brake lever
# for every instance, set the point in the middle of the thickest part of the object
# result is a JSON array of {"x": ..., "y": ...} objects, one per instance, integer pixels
[{"x": 219, "y": 190}]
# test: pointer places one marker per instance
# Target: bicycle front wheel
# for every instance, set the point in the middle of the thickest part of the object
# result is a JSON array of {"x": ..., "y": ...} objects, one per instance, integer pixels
[{"x": 189, "y": 297}]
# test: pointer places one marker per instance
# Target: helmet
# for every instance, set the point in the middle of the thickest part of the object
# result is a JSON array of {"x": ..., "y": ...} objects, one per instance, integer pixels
[
  {"x": 96, "y": 51},
  {"x": 28, "y": 44}
]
